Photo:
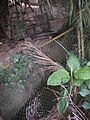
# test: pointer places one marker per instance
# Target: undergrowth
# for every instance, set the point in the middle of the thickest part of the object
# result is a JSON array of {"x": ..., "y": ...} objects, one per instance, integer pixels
[
  {"x": 17, "y": 73},
  {"x": 74, "y": 84}
]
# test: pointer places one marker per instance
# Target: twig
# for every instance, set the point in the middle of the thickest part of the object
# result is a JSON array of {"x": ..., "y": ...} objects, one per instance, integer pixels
[
  {"x": 78, "y": 110},
  {"x": 39, "y": 53},
  {"x": 79, "y": 45},
  {"x": 62, "y": 47},
  {"x": 55, "y": 92},
  {"x": 76, "y": 116},
  {"x": 55, "y": 38}
]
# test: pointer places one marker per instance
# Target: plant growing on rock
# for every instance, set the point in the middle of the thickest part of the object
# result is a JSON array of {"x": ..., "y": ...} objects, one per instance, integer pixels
[{"x": 74, "y": 85}]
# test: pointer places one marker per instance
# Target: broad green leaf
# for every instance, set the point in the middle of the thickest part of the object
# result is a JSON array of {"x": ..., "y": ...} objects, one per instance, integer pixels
[
  {"x": 88, "y": 64},
  {"x": 88, "y": 83},
  {"x": 84, "y": 92},
  {"x": 58, "y": 77},
  {"x": 77, "y": 82},
  {"x": 82, "y": 73},
  {"x": 86, "y": 105},
  {"x": 73, "y": 62},
  {"x": 62, "y": 105}
]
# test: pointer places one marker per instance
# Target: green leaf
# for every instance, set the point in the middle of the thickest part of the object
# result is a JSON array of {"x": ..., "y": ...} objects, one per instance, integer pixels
[
  {"x": 83, "y": 86},
  {"x": 62, "y": 105},
  {"x": 73, "y": 62},
  {"x": 82, "y": 73},
  {"x": 20, "y": 81},
  {"x": 86, "y": 105},
  {"x": 15, "y": 60},
  {"x": 77, "y": 82},
  {"x": 88, "y": 64},
  {"x": 84, "y": 92},
  {"x": 58, "y": 77},
  {"x": 87, "y": 83}
]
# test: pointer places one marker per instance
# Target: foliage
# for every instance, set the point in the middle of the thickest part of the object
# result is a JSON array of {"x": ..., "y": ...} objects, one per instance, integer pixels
[
  {"x": 73, "y": 63},
  {"x": 62, "y": 105},
  {"x": 57, "y": 77},
  {"x": 17, "y": 73},
  {"x": 76, "y": 77}
]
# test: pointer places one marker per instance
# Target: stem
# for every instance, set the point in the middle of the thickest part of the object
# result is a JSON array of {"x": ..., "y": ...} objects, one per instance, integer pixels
[
  {"x": 79, "y": 45},
  {"x": 81, "y": 29},
  {"x": 55, "y": 38},
  {"x": 71, "y": 86},
  {"x": 64, "y": 88}
]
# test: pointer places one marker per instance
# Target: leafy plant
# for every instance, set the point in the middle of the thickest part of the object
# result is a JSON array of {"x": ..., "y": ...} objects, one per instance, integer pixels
[
  {"x": 17, "y": 73},
  {"x": 74, "y": 78},
  {"x": 57, "y": 77}
]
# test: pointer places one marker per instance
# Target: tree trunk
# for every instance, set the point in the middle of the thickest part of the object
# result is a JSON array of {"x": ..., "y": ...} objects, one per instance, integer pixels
[{"x": 13, "y": 99}]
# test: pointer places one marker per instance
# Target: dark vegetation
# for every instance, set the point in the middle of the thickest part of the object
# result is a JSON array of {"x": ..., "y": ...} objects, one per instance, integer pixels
[{"x": 61, "y": 30}]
